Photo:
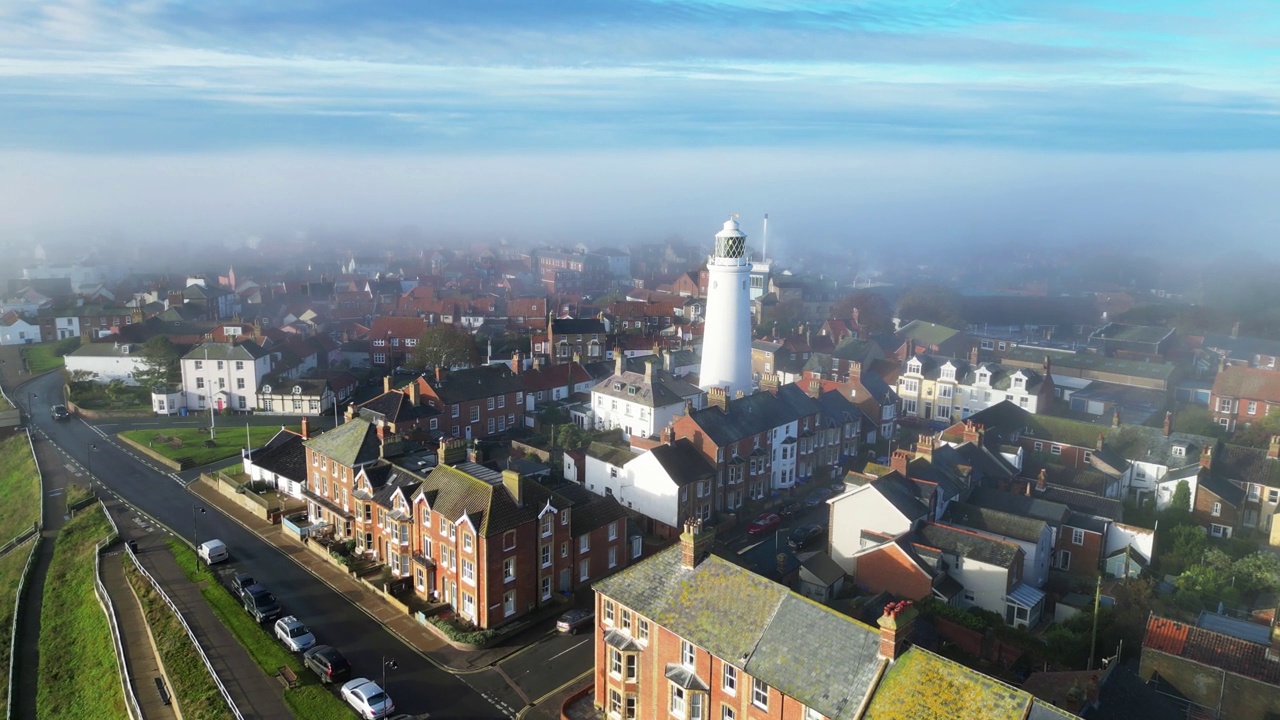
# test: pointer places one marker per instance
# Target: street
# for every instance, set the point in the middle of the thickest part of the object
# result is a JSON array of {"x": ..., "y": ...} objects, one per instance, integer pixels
[{"x": 418, "y": 685}]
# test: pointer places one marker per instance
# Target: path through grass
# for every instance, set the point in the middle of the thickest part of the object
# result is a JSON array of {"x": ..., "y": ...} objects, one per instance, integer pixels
[
  {"x": 19, "y": 487},
  {"x": 11, "y": 566}
]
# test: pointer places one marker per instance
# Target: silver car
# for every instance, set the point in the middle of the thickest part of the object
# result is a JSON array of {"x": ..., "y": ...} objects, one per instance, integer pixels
[{"x": 294, "y": 634}]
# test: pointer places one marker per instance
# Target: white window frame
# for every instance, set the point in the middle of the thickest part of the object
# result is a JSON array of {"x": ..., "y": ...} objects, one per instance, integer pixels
[
  {"x": 1077, "y": 536},
  {"x": 729, "y": 679},
  {"x": 759, "y": 694}
]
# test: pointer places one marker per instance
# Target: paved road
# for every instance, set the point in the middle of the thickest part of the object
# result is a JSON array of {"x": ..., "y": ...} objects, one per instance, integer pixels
[{"x": 417, "y": 686}]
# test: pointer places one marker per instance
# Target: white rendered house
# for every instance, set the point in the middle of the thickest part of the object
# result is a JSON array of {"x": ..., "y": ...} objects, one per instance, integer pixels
[{"x": 224, "y": 376}]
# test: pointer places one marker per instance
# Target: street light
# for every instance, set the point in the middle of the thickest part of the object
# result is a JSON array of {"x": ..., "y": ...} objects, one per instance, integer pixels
[
  {"x": 196, "y": 512},
  {"x": 31, "y": 410},
  {"x": 387, "y": 663},
  {"x": 93, "y": 447}
]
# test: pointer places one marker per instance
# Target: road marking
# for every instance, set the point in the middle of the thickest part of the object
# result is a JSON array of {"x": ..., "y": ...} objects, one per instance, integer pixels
[{"x": 580, "y": 644}]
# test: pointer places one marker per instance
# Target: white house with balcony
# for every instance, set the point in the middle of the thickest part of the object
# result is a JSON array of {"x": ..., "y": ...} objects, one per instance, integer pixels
[{"x": 224, "y": 376}]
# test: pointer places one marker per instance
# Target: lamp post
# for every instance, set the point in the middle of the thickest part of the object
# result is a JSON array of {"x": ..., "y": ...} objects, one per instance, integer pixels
[
  {"x": 31, "y": 410},
  {"x": 387, "y": 663},
  {"x": 88, "y": 463},
  {"x": 196, "y": 512}
]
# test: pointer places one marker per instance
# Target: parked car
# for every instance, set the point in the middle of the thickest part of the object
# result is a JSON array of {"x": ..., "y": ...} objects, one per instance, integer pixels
[
  {"x": 213, "y": 551},
  {"x": 260, "y": 603},
  {"x": 294, "y": 634},
  {"x": 240, "y": 581},
  {"x": 805, "y": 535},
  {"x": 763, "y": 523},
  {"x": 839, "y": 485},
  {"x": 819, "y": 496},
  {"x": 789, "y": 508},
  {"x": 60, "y": 412},
  {"x": 368, "y": 700},
  {"x": 327, "y": 663},
  {"x": 574, "y": 620}
]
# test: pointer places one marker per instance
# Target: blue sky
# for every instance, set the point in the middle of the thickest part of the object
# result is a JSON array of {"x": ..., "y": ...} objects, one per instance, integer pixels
[{"x": 94, "y": 90}]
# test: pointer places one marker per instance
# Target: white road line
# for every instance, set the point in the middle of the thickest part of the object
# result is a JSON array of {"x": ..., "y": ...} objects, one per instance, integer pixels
[{"x": 553, "y": 657}]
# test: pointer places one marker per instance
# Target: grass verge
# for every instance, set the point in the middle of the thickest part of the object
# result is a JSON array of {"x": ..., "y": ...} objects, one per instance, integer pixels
[
  {"x": 77, "y": 492},
  {"x": 192, "y": 686},
  {"x": 11, "y": 566},
  {"x": 189, "y": 443},
  {"x": 309, "y": 699},
  {"x": 79, "y": 676},
  {"x": 49, "y": 356},
  {"x": 19, "y": 487}
]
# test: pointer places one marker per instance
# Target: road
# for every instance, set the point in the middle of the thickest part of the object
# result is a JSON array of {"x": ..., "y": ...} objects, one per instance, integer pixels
[{"x": 417, "y": 685}]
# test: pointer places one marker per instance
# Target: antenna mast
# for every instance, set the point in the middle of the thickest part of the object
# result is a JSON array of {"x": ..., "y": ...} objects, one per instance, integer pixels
[{"x": 764, "y": 240}]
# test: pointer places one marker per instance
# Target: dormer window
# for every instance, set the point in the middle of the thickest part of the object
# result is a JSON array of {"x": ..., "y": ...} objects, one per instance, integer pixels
[
  {"x": 913, "y": 367},
  {"x": 948, "y": 373},
  {"x": 1179, "y": 451}
]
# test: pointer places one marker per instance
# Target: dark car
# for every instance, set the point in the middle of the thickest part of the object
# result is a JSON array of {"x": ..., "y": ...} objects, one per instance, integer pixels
[
  {"x": 789, "y": 508},
  {"x": 763, "y": 523},
  {"x": 240, "y": 581},
  {"x": 60, "y": 412},
  {"x": 574, "y": 620},
  {"x": 819, "y": 496},
  {"x": 805, "y": 535},
  {"x": 326, "y": 662},
  {"x": 260, "y": 603}
]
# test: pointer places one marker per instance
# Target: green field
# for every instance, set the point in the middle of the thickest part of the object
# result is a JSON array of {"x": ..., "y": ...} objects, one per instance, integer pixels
[
  {"x": 79, "y": 676},
  {"x": 188, "y": 444},
  {"x": 309, "y": 699},
  {"x": 11, "y": 566},
  {"x": 48, "y": 356},
  {"x": 193, "y": 688},
  {"x": 19, "y": 487}
]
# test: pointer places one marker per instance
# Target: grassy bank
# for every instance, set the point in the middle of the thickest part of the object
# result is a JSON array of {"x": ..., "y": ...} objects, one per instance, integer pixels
[
  {"x": 79, "y": 676},
  {"x": 189, "y": 443},
  {"x": 49, "y": 356},
  {"x": 11, "y": 566},
  {"x": 19, "y": 487},
  {"x": 309, "y": 699},
  {"x": 192, "y": 686}
]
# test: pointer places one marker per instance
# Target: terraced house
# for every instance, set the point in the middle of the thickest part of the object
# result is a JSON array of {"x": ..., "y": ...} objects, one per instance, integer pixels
[
  {"x": 666, "y": 648},
  {"x": 476, "y": 402}
]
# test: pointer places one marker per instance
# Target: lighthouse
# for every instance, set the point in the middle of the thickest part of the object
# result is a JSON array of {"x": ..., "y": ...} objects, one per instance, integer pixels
[{"x": 726, "y": 340}]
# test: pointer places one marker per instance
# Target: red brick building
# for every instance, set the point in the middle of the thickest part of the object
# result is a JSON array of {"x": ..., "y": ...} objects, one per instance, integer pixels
[
  {"x": 1243, "y": 395},
  {"x": 392, "y": 340},
  {"x": 476, "y": 402}
]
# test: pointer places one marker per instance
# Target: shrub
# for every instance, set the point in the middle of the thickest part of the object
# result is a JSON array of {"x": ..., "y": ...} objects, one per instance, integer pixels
[{"x": 468, "y": 634}]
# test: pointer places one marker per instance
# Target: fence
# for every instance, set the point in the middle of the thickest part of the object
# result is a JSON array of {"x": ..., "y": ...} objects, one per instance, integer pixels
[
  {"x": 108, "y": 607},
  {"x": 17, "y": 620},
  {"x": 226, "y": 696}
]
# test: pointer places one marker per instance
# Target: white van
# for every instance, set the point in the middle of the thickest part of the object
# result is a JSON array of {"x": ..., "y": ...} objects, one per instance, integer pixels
[{"x": 213, "y": 551}]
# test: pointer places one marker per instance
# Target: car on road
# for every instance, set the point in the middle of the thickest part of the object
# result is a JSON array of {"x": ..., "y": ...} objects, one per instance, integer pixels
[
  {"x": 789, "y": 508},
  {"x": 839, "y": 486},
  {"x": 574, "y": 620},
  {"x": 240, "y": 581},
  {"x": 294, "y": 634},
  {"x": 368, "y": 700},
  {"x": 763, "y": 523},
  {"x": 260, "y": 603},
  {"x": 805, "y": 535},
  {"x": 213, "y": 551},
  {"x": 60, "y": 412},
  {"x": 819, "y": 496},
  {"x": 327, "y": 663}
]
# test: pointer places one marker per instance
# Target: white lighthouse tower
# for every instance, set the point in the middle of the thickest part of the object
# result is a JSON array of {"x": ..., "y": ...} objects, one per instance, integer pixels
[{"x": 726, "y": 341}]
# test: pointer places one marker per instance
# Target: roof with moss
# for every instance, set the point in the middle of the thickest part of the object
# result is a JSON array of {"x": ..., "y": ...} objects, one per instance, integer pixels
[
  {"x": 352, "y": 443},
  {"x": 927, "y": 332},
  {"x": 924, "y": 686}
]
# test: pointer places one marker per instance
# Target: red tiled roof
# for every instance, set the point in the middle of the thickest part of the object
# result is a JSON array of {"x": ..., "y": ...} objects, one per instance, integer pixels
[
  {"x": 1206, "y": 647},
  {"x": 1246, "y": 382},
  {"x": 404, "y": 327}
]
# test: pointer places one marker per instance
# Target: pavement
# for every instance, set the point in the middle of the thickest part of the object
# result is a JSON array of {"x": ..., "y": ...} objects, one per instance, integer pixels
[
  {"x": 256, "y": 694},
  {"x": 139, "y": 652}
]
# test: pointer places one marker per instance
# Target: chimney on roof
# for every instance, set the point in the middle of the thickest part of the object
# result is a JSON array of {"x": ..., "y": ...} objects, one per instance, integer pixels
[
  {"x": 306, "y": 429},
  {"x": 1235, "y": 330},
  {"x": 781, "y": 560},
  {"x": 577, "y": 359},
  {"x": 899, "y": 461},
  {"x": 1098, "y": 445},
  {"x": 855, "y": 370},
  {"x": 1168, "y": 423},
  {"x": 1042, "y": 483},
  {"x": 475, "y": 454},
  {"x": 511, "y": 481},
  {"x": 1048, "y": 366},
  {"x": 688, "y": 407},
  {"x": 1273, "y": 451},
  {"x": 973, "y": 355},
  {"x": 619, "y": 362},
  {"x": 440, "y": 371},
  {"x": 415, "y": 399},
  {"x": 1115, "y": 416},
  {"x": 895, "y": 629},
  {"x": 516, "y": 364},
  {"x": 382, "y": 440},
  {"x": 815, "y": 389},
  {"x": 1206, "y": 457},
  {"x": 386, "y": 384},
  {"x": 667, "y": 362},
  {"x": 695, "y": 543},
  {"x": 1026, "y": 489},
  {"x": 717, "y": 397},
  {"x": 648, "y": 370},
  {"x": 924, "y": 448},
  {"x": 667, "y": 435},
  {"x": 970, "y": 432},
  {"x": 452, "y": 451}
]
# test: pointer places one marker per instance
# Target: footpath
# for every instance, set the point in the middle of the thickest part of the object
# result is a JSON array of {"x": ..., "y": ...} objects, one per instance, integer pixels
[
  {"x": 256, "y": 694},
  {"x": 139, "y": 652}
]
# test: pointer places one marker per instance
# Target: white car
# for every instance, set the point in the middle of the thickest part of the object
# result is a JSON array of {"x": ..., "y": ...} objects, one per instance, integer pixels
[
  {"x": 294, "y": 634},
  {"x": 368, "y": 700}
]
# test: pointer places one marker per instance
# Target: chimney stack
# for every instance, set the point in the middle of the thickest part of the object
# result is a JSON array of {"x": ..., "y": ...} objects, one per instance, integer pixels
[
  {"x": 695, "y": 543},
  {"x": 511, "y": 481},
  {"x": 1206, "y": 458},
  {"x": 717, "y": 397},
  {"x": 439, "y": 374},
  {"x": 619, "y": 362},
  {"x": 475, "y": 454},
  {"x": 1273, "y": 452},
  {"x": 781, "y": 560},
  {"x": 1098, "y": 445},
  {"x": 970, "y": 432},
  {"x": 668, "y": 434},
  {"x": 1168, "y": 423},
  {"x": 414, "y": 398},
  {"x": 855, "y": 370},
  {"x": 924, "y": 448},
  {"x": 1048, "y": 366},
  {"x": 899, "y": 461},
  {"x": 306, "y": 429},
  {"x": 1042, "y": 482},
  {"x": 895, "y": 629},
  {"x": 452, "y": 451},
  {"x": 648, "y": 370},
  {"x": 516, "y": 364},
  {"x": 1115, "y": 416},
  {"x": 688, "y": 407},
  {"x": 815, "y": 389},
  {"x": 386, "y": 384}
]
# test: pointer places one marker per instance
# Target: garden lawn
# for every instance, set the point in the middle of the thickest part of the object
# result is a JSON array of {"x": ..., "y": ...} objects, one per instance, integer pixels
[
  {"x": 188, "y": 443},
  {"x": 192, "y": 686},
  {"x": 11, "y": 566},
  {"x": 309, "y": 699},
  {"x": 48, "y": 356},
  {"x": 19, "y": 487},
  {"x": 79, "y": 676}
]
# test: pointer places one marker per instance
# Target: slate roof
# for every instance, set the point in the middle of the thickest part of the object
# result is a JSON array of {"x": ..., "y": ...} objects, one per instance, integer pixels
[
  {"x": 284, "y": 455},
  {"x": 927, "y": 332},
  {"x": 925, "y": 686},
  {"x": 1084, "y": 502},
  {"x": 1240, "y": 657},
  {"x": 1246, "y": 464},
  {"x": 1220, "y": 486},
  {"x": 1054, "y": 513},
  {"x": 617, "y": 456},
  {"x": 247, "y": 350},
  {"x": 662, "y": 390},
  {"x": 1030, "y": 355},
  {"x": 682, "y": 461},
  {"x": 460, "y": 386},
  {"x": 902, "y": 494},
  {"x": 997, "y": 522},
  {"x": 395, "y": 407},
  {"x": 1140, "y": 443},
  {"x": 352, "y": 443},
  {"x": 1007, "y": 418},
  {"x": 968, "y": 544},
  {"x": 822, "y": 658},
  {"x": 754, "y": 414},
  {"x": 457, "y": 491},
  {"x": 571, "y": 326}
]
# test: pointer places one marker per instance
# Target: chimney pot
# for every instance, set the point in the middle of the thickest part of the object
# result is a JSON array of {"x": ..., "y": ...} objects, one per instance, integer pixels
[
  {"x": 511, "y": 481},
  {"x": 1042, "y": 482},
  {"x": 1168, "y": 423},
  {"x": 895, "y": 628},
  {"x": 306, "y": 429},
  {"x": 386, "y": 384}
]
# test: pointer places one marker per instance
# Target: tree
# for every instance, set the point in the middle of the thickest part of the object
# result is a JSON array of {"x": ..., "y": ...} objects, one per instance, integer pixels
[
  {"x": 1257, "y": 572},
  {"x": 933, "y": 303},
  {"x": 444, "y": 346},
  {"x": 1195, "y": 419},
  {"x": 1259, "y": 433},
  {"x": 159, "y": 367},
  {"x": 1179, "y": 510},
  {"x": 874, "y": 313},
  {"x": 1184, "y": 545}
]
